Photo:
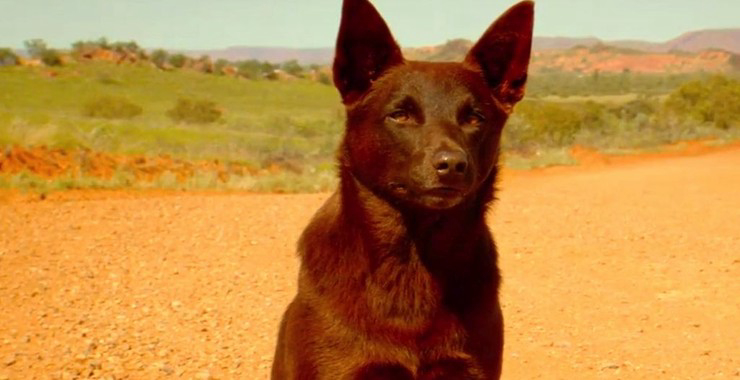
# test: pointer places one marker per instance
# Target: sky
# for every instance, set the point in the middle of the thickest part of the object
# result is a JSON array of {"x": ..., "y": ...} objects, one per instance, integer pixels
[{"x": 214, "y": 24}]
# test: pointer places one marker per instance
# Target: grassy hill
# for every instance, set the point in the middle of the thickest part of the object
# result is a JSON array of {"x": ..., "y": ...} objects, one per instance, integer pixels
[{"x": 261, "y": 119}]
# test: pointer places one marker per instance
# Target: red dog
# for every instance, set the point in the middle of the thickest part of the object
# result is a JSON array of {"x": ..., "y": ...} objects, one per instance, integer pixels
[{"x": 399, "y": 277}]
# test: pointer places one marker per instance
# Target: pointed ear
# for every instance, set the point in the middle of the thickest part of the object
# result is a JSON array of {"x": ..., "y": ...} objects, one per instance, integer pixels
[
  {"x": 502, "y": 53},
  {"x": 365, "y": 49}
]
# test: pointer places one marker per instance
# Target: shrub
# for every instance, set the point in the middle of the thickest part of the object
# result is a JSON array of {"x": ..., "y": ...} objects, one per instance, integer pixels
[
  {"x": 159, "y": 57},
  {"x": 251, "y": 69},
  {"x": 51, "y": 57},
  {"x": 324, "y": 78},
  {"x": 8, "y": 57},
  {"x": 633, "y": 108},
  {"x": 37, "y": 49},
  {"x": 292, "y": 67},
  {"x": 178, "y": 60},
  {"x": 111, "y": 107},
  {"x": 546, "y": 123},
  {"x": 219, "y": 65},
  {"x": 194, "y": 111},
  {"x": 715, "y": 101}
]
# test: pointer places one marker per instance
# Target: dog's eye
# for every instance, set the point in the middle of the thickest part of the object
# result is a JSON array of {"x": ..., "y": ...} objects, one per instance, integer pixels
[
  {"x": 399, "y": 116},
  {"x": 474, "y": 119}
]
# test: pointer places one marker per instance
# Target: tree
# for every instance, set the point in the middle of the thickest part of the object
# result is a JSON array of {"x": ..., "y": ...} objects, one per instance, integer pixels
[
  {"x": 37, "y": 49},
  {"x": 716, "y": 101},
  {"x": 251, "y": 69},
  {"x": 219, "y": 65},
  {"x": 178, "y": 60},
  {"x": 292, "y": 67},
  {"x": 159, "y": 57},
  {"x": 8, "y": 57}
]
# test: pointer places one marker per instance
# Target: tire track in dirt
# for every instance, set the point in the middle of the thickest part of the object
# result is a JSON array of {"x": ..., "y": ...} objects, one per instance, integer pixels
[{"x": 619, "y": 272}]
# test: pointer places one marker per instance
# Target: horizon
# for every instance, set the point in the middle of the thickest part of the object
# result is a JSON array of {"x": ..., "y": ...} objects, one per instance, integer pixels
[{"x": 193, "y": 25}]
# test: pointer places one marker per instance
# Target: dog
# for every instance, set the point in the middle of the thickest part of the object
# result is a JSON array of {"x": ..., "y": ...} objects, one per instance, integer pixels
[{"x": 398, "y": 276}]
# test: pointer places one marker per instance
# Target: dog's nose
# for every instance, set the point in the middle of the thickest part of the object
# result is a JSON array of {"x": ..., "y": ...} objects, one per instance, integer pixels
[{"x": 450, "y": 163}]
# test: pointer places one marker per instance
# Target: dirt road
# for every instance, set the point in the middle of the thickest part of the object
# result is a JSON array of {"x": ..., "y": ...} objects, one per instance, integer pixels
[{"x": 627, "y": 271}]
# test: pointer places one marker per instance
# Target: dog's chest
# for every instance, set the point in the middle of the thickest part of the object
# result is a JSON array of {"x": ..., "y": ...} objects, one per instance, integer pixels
[{"x": 401, "y": 293}]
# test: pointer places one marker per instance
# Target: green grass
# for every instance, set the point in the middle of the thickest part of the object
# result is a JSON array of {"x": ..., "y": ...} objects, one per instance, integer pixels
[
  {"x": 284, "y": 182},
  {"x": 606, "y": 99},
  {"x": 539, "y": 159},
  {"x": 260, "y": 119}
]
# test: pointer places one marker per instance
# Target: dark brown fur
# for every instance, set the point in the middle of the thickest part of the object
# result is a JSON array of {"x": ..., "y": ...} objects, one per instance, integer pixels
[{"x": 398, "y": 277}]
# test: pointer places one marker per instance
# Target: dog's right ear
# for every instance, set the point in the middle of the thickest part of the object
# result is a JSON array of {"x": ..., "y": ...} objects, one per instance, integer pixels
[{"x": 365, "y": 49}]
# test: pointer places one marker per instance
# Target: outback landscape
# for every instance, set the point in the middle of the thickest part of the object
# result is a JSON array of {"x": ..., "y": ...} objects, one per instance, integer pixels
[
  {"x": 150, "y": 202},
  {"x": 163, "y": 284}
]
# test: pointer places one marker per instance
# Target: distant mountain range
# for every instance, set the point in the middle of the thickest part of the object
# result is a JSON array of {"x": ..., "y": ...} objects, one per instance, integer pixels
[{"x": 696, "y": 41}]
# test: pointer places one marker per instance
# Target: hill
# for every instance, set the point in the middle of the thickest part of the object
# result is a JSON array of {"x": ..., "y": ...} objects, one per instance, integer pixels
[
  {"x": 610, "y": 59},
  {"x": 725, "y": 39},
  {"x": 695, "y": 41},
  {"x": 597, "y": 58}
]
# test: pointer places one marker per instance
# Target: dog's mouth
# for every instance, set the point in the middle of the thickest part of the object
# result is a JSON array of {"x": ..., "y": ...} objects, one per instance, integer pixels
[
  {"x": 399, "y": 189},
  {"x": 445, "y": 192},
  {"x": 436, "y": 197},
  {"x": 442, "y": 197}
]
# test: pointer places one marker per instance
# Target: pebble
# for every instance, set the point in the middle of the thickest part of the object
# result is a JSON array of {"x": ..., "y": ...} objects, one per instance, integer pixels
[
  {"x": 9, "y": 360},
  {"x": 167, "y": 370}
]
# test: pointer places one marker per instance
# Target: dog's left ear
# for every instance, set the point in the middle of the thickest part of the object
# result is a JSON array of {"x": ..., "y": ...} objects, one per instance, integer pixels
[{"x": 502, "y": 53}]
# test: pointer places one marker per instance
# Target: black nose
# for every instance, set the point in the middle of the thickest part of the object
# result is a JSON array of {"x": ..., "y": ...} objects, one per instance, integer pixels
[{"x": 449, "y": 163}]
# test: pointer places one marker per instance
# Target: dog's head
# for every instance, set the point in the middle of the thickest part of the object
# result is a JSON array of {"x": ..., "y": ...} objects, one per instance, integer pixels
[{"x": 420, "y": 133}]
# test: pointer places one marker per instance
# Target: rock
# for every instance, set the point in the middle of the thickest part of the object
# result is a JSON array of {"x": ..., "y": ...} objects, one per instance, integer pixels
[
  {"x": 9, "y": 360},
  {"x": 610, "y": 366}
]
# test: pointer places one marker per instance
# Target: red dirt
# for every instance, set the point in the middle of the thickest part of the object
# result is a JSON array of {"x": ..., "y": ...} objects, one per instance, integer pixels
[
  {"x": 621, "y": 271},
  {"x": 53, "y": 163},
  {"x": 610, "y": 60}
]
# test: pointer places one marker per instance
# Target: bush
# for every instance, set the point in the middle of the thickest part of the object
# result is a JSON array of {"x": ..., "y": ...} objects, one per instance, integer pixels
[
  {"x": 194, "y": 111},
  {"x": 292, "y": 67},
  {"x": 633, "y": 108},
  {"x": 8, "y": 57},
  {"x": 111, "y": 107},
  {"x": 542, "y": 123},
  {"x": 51, "y": 57},
  {"x": 37, "y": 49},
  {"x": 159, "y": 57},
  {"x": 178, "y": 60},
  {"x": 715, "y": 101},
  {"x": 219, "y": 65},
  {"x": 324, "y": 78}
]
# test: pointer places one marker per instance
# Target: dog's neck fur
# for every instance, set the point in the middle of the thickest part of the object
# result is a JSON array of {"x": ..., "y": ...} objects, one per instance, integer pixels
[{"x": 394, "y": 228}]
